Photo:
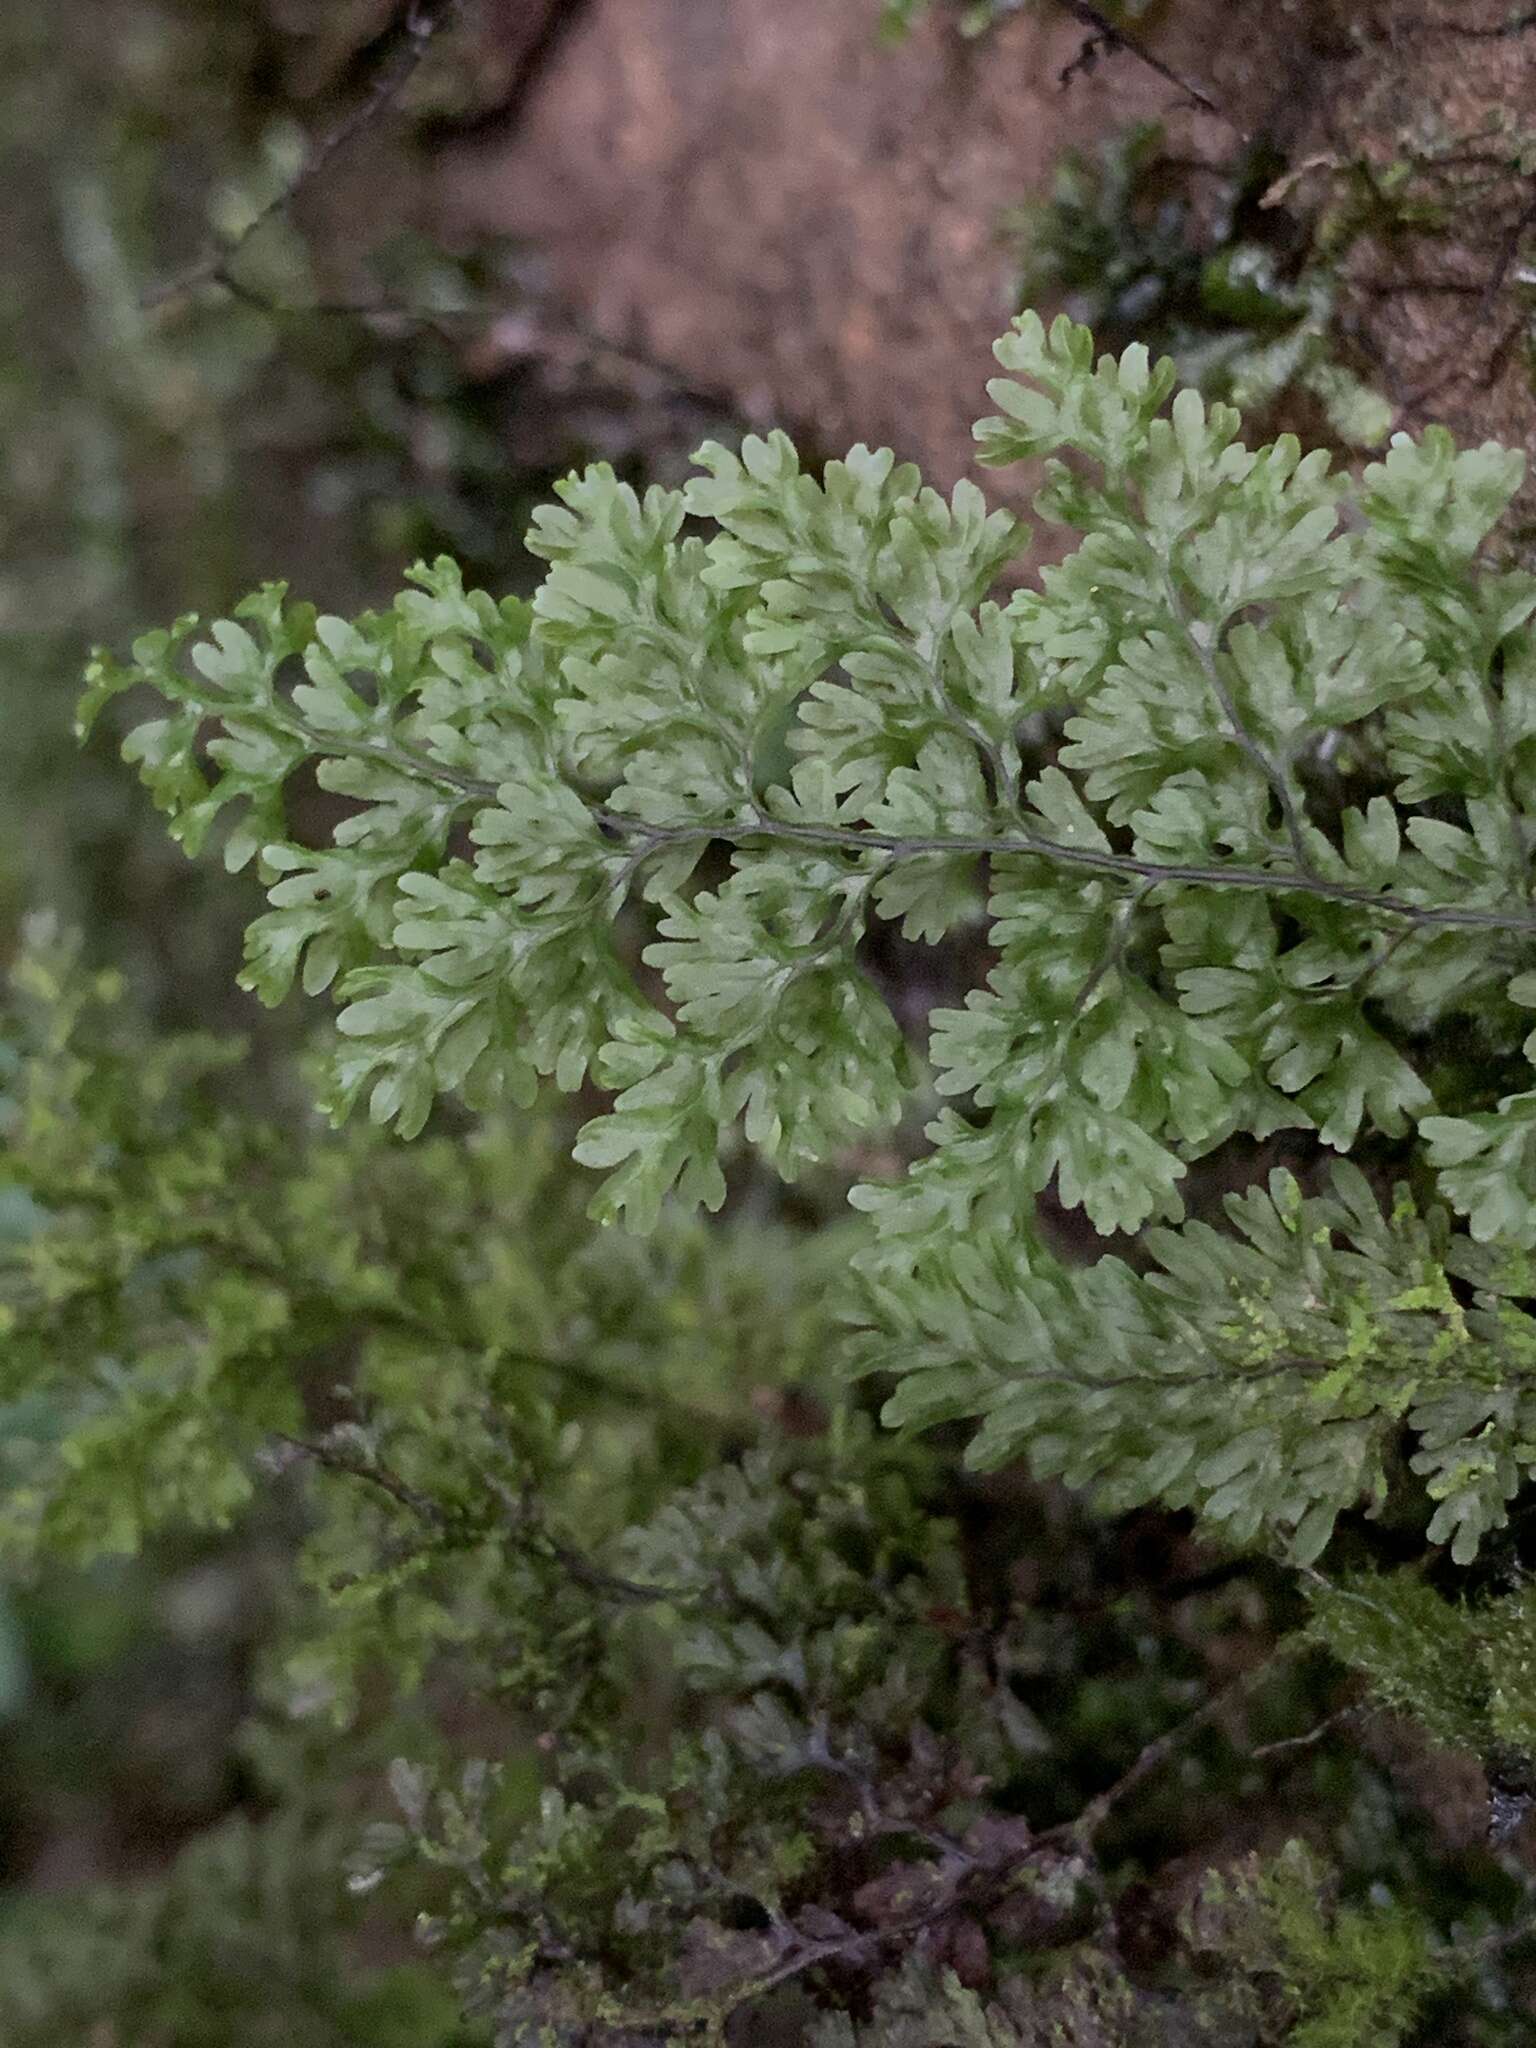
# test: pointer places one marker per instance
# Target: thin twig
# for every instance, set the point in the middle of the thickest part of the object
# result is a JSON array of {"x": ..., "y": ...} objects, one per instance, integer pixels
[
  {"x": 521, "y": 1520},
  {"x": 1509, "y": 249},
  {"x": 1081, "y": 1832},
  {"x": 1488, "y": 294},
  {"x": 1113, "y": 953},
  {"x": 1106, "y": 35},
  {"x": 1373, "y": 967},
  {"x": 528, "y": 1526},
  {"x": 975, "y": 1882},
  {"x": 1313, "y": 1735},
  {"x": 399, "y": 1316},
  {"x": 1469, "y": 32},
  {"x": 1420, "y": 287},
  {"x": 216, "y": 267},
  {"x": 619, "y": 825},
  {"x": 330, "y": 1458},
  {"x": 452, "y": 322},
  {"x": 1491, "y": 1944}
]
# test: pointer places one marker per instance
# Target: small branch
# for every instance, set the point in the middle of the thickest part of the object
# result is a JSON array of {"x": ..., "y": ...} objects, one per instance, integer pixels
[
  {"x": 524, "y": 1521},
  {"x": 1124, "y": 917},
  {"x": 331, "y": 1458},
  {"x": 1082, "y": 1831},
  {"x": 1091, "y": 860},
  {"x": 1217, "y": 875},
  {"x": 1268, "y": 768},
  {"x": 1421, "y": 287},
  {"x": 1455, "y": 361},
  {"x": 448, "y": 779},
  {"x": 1492, "y": 1944},
  {"x": 1373, "y": 967},
  {"x": 218, "y": 267},
  {"x": 423, "y": 24},
  {"x": 1509, "y": 250},
  {"x": 594, "y": 1579},
  {"x": 452, "y": 322},
  {"x": 877, "y": 1821},
  {"x": 1233, "y": 1375},
  {"x": 973, "y": 1882},
  {"x": 537, "y": 59},
  {"x": 400, "y": 1317},
  {"x": 1104, "y": 35},
  {"x": 521, "y": 1522},
  {"x": 1440, "y": 26},
  {"x": 1113, "y": 954}
]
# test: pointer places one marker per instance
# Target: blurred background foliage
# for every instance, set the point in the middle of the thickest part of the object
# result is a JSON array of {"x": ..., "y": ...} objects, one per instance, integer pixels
[
  {"x": 158, "y": 457},
  {"x": 163, "y": 451},
  {"x": 166, "y": 449}
]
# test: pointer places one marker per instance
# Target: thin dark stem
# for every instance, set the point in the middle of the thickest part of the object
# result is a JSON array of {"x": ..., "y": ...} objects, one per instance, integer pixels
[
  {"x": 1231, "y": 1375},
  {"x": 1106, "y": 964},
  {"x": 1436, "y": 25},
  {"x": 219, "y": 267},
  {"x": 649, "y": 838},
  {"x": 423, "y": 24},
  {"x": 1363, "y": 980},
  {"x": 1495, "y": 1943},
  {"x": 525, "y": 1523},
  {"x": 1423, "y": 287},
  {"x": 1271, "y": 771},
  {"x": 1106, "y": 35},
  {"x": 1292, "y": 1743},
  {"x": 1113, "y": 954},
  {"x": 392, "y": 757},
  {"x": 451, "y": 323},
  {"x": 1509, "y": 249},
  {"x": 976, "y": 1881},
  {"x": 1082, "y": 1831},
  {"x": 522, "y": 1523},
  {"x": 332, "y": 1459}
]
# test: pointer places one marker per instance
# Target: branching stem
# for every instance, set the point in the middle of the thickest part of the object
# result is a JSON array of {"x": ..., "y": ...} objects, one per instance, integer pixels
[
  {"x": 1270, "y": 769},
  {"x": 1082, "y": 1831},
  {"x": 1213, "y": 875}
]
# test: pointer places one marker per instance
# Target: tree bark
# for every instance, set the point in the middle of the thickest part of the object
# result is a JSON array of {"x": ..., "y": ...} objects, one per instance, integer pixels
[{"x": 760, "y": 195}]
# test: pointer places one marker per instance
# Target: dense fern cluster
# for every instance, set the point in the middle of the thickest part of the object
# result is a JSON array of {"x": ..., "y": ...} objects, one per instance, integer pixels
[
  {"x": 1243, "y": 790},
  {"x": 1231, "y": 814},
  {"x": 768, "y": 1737},
  {"x": 638, "y": 1496}
]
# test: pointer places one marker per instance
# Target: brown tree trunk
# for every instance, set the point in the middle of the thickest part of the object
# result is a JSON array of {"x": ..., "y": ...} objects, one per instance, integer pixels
[{"x": 760, "y": 195}]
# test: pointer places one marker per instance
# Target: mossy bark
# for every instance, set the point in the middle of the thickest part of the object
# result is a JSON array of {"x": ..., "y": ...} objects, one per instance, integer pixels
[{"x": 794, "y": 216}]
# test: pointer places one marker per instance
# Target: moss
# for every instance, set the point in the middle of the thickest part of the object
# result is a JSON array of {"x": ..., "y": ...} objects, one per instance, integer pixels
[{"x": 1242, "y": 298}]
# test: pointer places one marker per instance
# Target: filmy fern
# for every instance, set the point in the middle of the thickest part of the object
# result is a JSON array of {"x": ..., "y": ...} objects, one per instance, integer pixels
[{"x": 1242, "y": 794}]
